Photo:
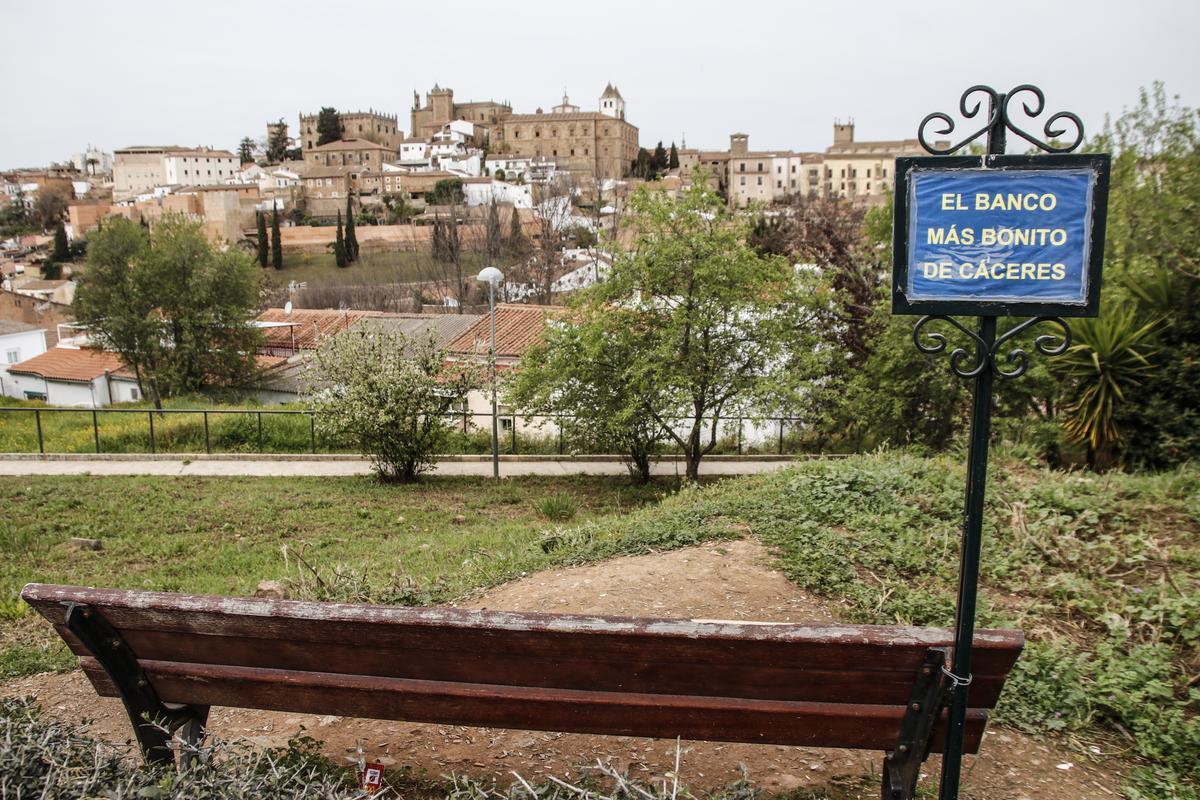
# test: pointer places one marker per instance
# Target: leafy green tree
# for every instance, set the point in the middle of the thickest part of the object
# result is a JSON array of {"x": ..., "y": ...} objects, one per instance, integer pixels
[
  {"x": 673, "y": 158},
  {"x": 351, "y": 236},
  {"x": 581, "y": 371},
  {"x": 276, "y": 240},
  {"x": 277, "y": 143},
  {"x": 339, "y": 245},
  {"x": 446, "y": 192},
  {"x": 246, "y": 150},
  {"x": 329, "y": 126},
  {"x": 177, "y": 309},
  {"x": 62, "y": 248},
  {"x": 14, "y": 218},
  {"x": 390, "y": 394},
  {"x": 715, "y": 320},
  {"x": 262, "y": 246}
]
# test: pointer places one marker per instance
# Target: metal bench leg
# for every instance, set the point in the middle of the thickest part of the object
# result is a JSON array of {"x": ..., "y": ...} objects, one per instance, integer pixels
[
  {"x": 192, "y": 733},
  {"x": 153, "y": 723},
  {"x": 902, "y": 766}
]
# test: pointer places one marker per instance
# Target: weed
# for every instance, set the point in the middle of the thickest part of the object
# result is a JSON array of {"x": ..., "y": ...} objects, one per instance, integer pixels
[{"x": 559, "y": 507}]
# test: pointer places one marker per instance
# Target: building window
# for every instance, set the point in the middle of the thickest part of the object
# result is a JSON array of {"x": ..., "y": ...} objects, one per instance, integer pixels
[
  {"x": 778, "y": 184},
  {"x": 741, "y": 167},
  {"x": 134, "y": 394},
  {"x": 12, "y": 356},
  {"x": 743, "y": 180},
  {"x": 760, "y": 180},
  {"x": 760, "y": 166}
]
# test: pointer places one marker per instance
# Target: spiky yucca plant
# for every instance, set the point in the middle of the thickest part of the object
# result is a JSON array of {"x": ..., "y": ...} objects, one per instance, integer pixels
[{"x": 1111, "y": 354}]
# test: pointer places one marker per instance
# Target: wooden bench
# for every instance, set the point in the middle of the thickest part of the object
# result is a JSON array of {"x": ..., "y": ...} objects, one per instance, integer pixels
[{"x": 171, "y": 656}]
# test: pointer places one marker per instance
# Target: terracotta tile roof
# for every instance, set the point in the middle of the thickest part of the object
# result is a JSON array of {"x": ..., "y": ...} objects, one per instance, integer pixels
[
  {"x": 518, "y": 327},
  {"x": 308, "y": 326},
  {"x": 76, "y": 366}
]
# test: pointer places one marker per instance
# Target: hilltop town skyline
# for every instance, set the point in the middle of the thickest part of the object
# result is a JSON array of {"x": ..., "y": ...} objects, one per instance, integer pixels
[{"x": 783, "y": 76}]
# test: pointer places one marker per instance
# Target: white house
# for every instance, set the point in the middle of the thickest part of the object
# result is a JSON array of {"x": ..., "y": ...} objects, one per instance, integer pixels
[
  {"x": 19, "y": 341},
  {"x": 65, "y": 376},
  {"x": 467, "y": 165},
  {"x": 482, "y": 191},
  {"x": 414, "y": 152}
]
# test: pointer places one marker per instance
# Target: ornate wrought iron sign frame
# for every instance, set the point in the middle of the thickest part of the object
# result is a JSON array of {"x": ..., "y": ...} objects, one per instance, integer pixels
[{"x": 985, "y": 356}]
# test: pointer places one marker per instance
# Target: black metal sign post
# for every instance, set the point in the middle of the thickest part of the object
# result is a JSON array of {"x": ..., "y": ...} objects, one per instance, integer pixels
[{"x": 1055, "y": 276}]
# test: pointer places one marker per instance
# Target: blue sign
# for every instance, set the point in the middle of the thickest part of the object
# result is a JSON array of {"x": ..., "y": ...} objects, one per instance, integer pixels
[{"x": 999, "y": 235}]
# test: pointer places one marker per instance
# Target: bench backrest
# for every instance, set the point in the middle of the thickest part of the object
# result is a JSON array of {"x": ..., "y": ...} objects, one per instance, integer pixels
[{"x": 736, "y": 681}]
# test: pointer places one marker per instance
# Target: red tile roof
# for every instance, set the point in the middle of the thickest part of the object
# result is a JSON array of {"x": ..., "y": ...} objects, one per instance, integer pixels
[
  {"x": 76, "y": 366},
  {"x": 518, "y": 327},
  {"x": 308, "y": 326}
]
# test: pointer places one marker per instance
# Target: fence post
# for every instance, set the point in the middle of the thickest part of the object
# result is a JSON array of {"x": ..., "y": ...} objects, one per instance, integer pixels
[
  {"x": 37, "y": 418},
  {"x": 312, "y": 430},
  {"x": 260, "y": 437},
  {"x": 739, "y": 437},
  {"x": 207, "y": 440},
  {"x": 514, "y": 433},
  {"x": 96, "y": 430},
  {"x": 781, "y": 436},
  {"x": 560, "y": 434},
  {"x": 150, "y": 416}
]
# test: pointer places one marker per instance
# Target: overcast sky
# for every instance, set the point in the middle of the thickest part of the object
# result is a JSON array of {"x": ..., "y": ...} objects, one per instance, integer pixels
[{"x": 123, "y": 73}]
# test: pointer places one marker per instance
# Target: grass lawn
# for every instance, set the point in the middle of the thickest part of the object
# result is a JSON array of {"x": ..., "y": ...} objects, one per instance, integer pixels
[
  {"x": 1102, "y": 572},
  {"x": 397, "y": 544}
]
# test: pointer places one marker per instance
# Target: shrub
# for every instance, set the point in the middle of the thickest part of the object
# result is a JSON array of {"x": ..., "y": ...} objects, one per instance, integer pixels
[{"x": 389, "y": 394}]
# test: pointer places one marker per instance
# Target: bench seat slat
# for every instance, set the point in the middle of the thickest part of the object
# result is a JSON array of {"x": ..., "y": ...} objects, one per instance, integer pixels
[
  {"x": 766, "y": 661},
  {"x": 720, "y": 719},
  {"x": 645, "y": 671}
]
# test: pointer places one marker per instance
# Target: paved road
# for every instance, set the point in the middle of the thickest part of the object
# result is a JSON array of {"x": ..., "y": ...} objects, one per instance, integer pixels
[{"x": 317, "y": 468}]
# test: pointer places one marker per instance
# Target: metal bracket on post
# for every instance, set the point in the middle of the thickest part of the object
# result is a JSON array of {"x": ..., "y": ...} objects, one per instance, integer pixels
[
  {"x": 902, "y": 766},
  {"x": 153, "y": 722}
]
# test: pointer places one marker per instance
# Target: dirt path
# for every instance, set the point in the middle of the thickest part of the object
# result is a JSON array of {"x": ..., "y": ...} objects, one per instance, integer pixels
[{"x": 725, "y": 581}]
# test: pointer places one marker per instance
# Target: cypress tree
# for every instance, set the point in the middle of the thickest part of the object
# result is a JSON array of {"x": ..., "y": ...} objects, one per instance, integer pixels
[
  {"x": 263, "y": 245},
  {"x": 659, "y": 159},
  {"x": 437, "y": 242},
  {"x": 351, "y": 238},
  {"x": 62, "y": 250},
  {"x": 276, "y": 243},
  {"x": 673, "y": 158},
  {"x": 339, "y": 244}
]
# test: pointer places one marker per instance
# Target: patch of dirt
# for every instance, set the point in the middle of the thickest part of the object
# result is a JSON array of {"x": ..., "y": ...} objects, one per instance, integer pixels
[{"x": 726, "y": 580}]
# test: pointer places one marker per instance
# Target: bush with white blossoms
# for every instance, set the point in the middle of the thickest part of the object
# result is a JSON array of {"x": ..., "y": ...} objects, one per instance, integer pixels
[{"x": 390, "y": 394}]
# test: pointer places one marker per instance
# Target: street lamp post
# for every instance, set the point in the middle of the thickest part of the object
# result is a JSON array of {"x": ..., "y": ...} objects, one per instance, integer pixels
[{"x": 492, "y": 276}]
